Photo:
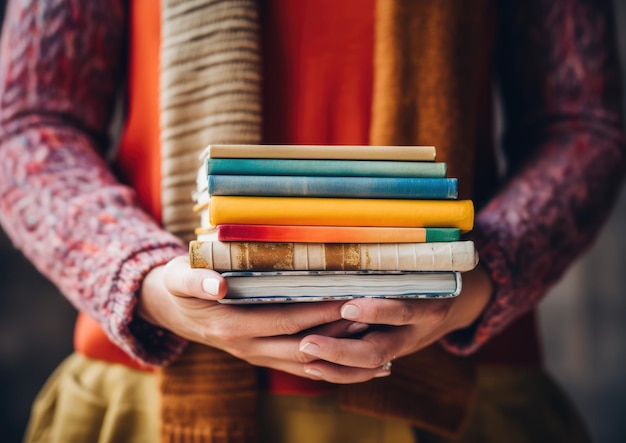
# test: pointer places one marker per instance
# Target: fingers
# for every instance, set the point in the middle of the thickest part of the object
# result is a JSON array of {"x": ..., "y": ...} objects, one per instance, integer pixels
[
  {"x": 396, "y": 312},
  {"x": 286, "y": 319},
  {"x": 282, "y": 353},
  {"x": 332, "y": 373},
  {"x": 402, "y": 327},
  {"x": 371, "y": 351},
  {"x": 288, "y": 347},
  {"x": 342, "y": 328},
  {"x": 183, "y": 281}
]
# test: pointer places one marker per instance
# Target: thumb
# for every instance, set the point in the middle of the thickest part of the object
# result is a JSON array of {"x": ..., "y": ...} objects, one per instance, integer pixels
[{"x": 183, "y": 281}]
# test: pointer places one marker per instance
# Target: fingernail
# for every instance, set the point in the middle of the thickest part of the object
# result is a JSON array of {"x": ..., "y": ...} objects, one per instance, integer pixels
[
  {"x": 350, "y": 312},
  {"x": 311, "y": 349},
  {"x": 211, "y": 286},
  {"x": 313, "y": 372},
  {"x": 357, "y": 327}
]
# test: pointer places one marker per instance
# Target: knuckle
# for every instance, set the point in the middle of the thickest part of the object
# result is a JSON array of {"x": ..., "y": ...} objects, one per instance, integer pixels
[
  {"x": 172, "y": 267},
  {"x": 336, "y": 353},
  {"x": 222, "y": 331},
  {"x": 287, "y": 324},
  {"x": 302, "y": 357},
  {"x": 406, "y": 312},
  {"x": 208, "y": 333},
  {"x": 230, "y": 335},
  {"x": 188, "y": 282},
  {"x": 439, "y": 312},
  {"x": 329, "y": 314},
  {"x": 377, "y": 359}
]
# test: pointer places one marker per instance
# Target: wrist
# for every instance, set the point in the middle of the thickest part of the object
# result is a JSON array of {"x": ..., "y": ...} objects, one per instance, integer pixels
[
  {"x": 150, "y": 304},
  {"x": 473, "y": 299}
]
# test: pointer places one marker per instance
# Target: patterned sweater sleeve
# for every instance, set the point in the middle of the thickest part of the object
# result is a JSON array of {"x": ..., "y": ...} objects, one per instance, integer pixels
[
  {"x": 60, "y": 66},
  {"x": 563, "y": 142}
]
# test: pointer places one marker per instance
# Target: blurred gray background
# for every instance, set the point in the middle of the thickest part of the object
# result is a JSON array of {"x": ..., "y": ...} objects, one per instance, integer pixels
[{"x": 582, "y": 326}]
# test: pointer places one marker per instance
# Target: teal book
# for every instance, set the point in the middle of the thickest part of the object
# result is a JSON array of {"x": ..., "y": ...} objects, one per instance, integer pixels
[
  {"x": 337, "y": 187},
  {"x": 325, "y": 168}
]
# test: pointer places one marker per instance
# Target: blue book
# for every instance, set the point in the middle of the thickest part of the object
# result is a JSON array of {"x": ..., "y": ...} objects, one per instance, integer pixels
[{"x": 339, "y": 187}]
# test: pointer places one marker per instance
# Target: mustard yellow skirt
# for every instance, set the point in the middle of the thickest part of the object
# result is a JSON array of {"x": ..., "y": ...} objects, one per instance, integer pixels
[{"x": 90, "y": 401}]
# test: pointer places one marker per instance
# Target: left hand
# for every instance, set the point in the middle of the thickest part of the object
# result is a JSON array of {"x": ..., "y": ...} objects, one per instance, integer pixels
[{"x": 404, "y": 327}]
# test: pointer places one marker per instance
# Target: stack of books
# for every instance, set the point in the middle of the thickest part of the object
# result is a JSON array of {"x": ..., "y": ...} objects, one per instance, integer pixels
[{"x": 308, "y": 223}]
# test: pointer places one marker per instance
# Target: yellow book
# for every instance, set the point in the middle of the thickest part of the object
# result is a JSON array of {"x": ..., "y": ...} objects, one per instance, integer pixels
[{"x": 302, "y": 211}]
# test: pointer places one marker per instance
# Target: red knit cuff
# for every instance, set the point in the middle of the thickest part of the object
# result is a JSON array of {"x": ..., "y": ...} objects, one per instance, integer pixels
[{"x": 144, "y": 341}]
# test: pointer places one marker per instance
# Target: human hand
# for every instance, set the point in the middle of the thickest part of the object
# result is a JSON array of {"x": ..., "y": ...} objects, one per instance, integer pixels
[
  {"x": 184, "y": 301},
  {"x": 399, "y": 328}
]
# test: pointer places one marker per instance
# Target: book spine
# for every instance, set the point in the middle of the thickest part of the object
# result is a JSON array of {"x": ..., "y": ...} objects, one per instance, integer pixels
[
  {"x": 334, "y": 234},
  {"x": 331, "y": 152},
  {"x": 341, "y": 187},
  {"x": 341, "y": 212},
  {"x": 325, "y": 168},
  {"x": 265, "y": 256}
]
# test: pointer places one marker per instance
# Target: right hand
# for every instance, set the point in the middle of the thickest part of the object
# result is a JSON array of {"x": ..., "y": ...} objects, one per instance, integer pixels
[{"x": 184, "y": 301}]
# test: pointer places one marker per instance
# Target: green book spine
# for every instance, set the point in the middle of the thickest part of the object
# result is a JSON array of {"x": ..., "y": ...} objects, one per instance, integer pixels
[{"x": 442, "y": 234}]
